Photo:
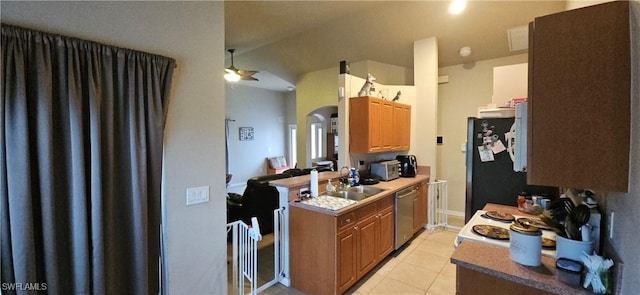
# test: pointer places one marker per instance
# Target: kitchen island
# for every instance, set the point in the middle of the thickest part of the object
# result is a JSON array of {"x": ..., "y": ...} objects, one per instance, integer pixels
[
  {"x": 487, "y": 269},
  {"x": 329, "y": 250}
]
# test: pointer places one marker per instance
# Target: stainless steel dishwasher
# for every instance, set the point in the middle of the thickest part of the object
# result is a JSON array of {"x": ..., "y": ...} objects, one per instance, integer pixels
[{"x": 404, "y": 216}]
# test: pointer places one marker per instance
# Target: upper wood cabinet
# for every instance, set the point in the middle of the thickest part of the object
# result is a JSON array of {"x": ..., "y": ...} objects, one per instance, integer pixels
[
  {"x": 579, "y": 98},
  {"x": 377, "y": 125}
]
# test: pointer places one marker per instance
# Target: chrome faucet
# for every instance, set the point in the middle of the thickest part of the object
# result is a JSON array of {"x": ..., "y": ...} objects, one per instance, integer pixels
[{"x": 343, "y": 179}]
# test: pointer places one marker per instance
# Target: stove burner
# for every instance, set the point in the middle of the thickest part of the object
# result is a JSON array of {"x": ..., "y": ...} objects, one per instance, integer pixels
[
  {"x": 499, "y": 216},
  {"x": 490, "y": 231},
  {"x": 548, "y": 244}
]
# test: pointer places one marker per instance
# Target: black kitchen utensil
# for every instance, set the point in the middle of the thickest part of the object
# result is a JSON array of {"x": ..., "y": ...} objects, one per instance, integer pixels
[{"x": 580, "y": 215}]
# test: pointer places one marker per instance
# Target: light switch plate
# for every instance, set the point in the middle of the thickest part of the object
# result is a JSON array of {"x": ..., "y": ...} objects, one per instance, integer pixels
[{"x": 197, "y": 195}]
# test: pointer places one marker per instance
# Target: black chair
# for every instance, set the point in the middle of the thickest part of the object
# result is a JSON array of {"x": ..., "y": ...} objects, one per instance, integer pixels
[{"x": 260, "y": 199}]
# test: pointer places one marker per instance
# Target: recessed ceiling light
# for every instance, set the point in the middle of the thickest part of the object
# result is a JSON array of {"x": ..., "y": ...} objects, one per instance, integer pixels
[{"x": 457, "y": 6}]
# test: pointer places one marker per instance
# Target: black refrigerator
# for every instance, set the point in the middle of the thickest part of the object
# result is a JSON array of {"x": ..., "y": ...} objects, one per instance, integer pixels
[{"x": 490, "y": 175}]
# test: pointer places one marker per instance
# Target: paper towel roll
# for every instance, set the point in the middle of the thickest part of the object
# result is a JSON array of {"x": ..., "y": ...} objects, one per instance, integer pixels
[{"x": 314, "y": 183}]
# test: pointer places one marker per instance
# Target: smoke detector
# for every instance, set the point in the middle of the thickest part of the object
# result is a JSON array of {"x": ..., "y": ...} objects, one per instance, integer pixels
[{"x": 465, "y": 51}]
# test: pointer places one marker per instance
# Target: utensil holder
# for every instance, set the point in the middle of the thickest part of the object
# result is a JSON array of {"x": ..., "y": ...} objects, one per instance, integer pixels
[{"x": 572, "y": 249}]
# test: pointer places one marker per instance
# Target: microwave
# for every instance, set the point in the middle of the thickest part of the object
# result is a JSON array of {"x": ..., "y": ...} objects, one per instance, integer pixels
[{"x": 386, "y": 170}]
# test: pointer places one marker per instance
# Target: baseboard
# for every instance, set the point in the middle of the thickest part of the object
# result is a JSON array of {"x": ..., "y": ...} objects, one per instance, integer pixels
[{"x": 455, "y": 213}]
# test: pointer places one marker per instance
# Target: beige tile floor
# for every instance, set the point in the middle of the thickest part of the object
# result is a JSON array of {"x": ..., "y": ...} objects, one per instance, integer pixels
[{"x": 420, "y": 267}]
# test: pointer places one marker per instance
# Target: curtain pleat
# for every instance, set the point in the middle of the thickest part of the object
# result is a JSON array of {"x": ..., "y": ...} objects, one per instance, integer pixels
[{"x": 81, "y": 142}]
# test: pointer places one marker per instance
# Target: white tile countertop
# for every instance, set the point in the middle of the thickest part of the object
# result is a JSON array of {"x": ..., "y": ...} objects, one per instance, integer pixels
[{"x": 328, "y": 202}]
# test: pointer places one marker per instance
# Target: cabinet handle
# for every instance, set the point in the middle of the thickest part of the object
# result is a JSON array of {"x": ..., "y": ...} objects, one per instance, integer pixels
[{"x": 348, "y": 220}]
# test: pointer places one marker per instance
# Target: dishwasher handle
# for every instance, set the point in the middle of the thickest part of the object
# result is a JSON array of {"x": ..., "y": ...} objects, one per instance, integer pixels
[{"x": 405, "y": 193}]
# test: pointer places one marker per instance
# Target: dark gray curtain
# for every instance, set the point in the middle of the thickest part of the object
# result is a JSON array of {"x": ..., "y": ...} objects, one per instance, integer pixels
[{"x": 81, "y": 158}]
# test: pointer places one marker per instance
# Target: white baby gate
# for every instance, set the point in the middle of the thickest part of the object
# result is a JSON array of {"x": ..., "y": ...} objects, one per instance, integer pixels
[
  {"x": 245, "y": 254},
  {"x": 437, "y": 215}
]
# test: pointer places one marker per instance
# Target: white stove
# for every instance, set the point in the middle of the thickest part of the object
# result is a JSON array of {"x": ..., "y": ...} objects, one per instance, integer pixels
[{"x": 467, "y": 232}]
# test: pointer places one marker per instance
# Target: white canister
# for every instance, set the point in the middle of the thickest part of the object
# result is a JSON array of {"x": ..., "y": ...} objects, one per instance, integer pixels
[{"x": 525, "y": 244}]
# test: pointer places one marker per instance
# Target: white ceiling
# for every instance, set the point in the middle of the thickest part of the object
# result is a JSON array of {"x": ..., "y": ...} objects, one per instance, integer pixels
[{"x": 289, "y": 38}]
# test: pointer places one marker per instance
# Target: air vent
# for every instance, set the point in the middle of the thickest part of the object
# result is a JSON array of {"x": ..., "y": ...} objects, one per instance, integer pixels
[{"x": 518, "y": 38}]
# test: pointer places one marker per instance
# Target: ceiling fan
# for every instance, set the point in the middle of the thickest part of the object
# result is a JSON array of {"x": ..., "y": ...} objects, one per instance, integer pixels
[{"x": 234, "y": 74}]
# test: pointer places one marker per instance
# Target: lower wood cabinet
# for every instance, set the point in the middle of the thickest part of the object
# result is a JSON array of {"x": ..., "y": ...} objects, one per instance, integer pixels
[
  {"x": 471, "y": 282},
  {"x": 329, "y": 254},
  {"x": 346, "y": 255},
  {"x": 386, "y": 220},
  {"x": 420, "y": 206}
]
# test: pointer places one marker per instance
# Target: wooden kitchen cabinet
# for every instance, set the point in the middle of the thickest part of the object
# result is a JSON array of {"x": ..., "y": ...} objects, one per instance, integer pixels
[
  {"x": 366, "y": 256},
  {"x": 402, "y": 127},
  {"x": 338, "y": 250},
  {"x": 579, "y": 98},
  {"x": 420, "y": 206},
  {"x": 386, "y": 220},
  {"x": 378, "y": 125},
  {"x": 471, "y": 282},
  {"x": 346, "y": 255}
]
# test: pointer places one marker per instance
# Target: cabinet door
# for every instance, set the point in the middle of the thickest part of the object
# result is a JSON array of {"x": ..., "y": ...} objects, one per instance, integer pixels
[
  {"x": 366, "y": 244},
  {"x": 405, "y": 130},
  {"x": 579, "y": 98},
  {"x": 386, "y": 123},
  {"x": 401, "y": 127},
  {"x": 385, "y": 229},
  {"x": 376, "y": 111},
  {"x": 346, "y": 252},
  {"x": 420, "y": 207}
]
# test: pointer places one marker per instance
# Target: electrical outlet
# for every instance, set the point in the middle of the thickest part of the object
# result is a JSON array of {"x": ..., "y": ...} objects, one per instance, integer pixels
[
  {"x": 197, "y": 195},
  {"x": 611, "y": 225}
]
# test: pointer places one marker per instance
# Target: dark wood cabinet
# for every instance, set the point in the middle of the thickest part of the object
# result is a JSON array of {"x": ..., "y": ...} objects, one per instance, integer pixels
[{"x": 579, "y": 98}]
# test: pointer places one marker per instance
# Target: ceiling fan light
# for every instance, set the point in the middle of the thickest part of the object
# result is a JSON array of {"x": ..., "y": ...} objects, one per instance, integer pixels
[
  {"x": 231, "y": 76},
  {"x": 457, "y": 6}
]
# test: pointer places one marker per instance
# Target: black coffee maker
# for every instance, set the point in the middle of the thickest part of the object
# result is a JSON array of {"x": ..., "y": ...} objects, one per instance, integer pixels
[{"x": 408, "y": 165}]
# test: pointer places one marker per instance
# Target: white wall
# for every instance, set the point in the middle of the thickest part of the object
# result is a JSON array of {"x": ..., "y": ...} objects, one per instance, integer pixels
[
  {"x": 194, "y": 134},
  {"x": 423, "y": 145},
  {"x": 266, "y": 112},
  {"x": 468, "y": 88}
]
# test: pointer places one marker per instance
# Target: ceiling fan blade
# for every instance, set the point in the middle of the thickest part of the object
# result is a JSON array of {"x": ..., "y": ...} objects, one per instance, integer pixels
[
  {"x": 244, "y": 74},
  {"x": 248, "y": 78}
]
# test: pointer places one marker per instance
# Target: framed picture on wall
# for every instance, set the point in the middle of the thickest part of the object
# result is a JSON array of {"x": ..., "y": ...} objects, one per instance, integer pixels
[{"x": 246, "y": 133}]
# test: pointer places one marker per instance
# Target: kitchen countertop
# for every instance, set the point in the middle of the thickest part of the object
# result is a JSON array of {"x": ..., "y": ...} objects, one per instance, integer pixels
[
  {"x": 493, "y": 260},
  {"x": 389, "y": 186}
]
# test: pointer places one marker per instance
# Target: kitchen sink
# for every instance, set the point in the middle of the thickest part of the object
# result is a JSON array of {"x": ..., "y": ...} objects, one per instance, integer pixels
[{"x": 356, "y": 193}]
